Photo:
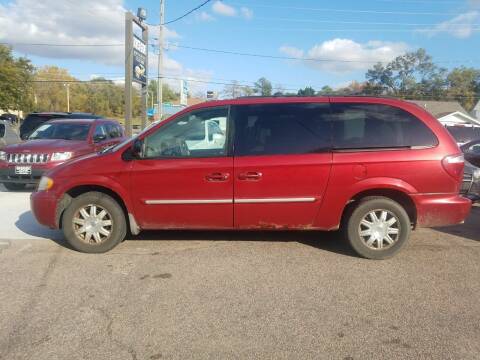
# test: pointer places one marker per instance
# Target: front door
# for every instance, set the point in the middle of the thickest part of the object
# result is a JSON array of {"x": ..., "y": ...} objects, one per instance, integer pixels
[
  {"x": 183, "y": 179},
  {"x": 282, "y": 164}
]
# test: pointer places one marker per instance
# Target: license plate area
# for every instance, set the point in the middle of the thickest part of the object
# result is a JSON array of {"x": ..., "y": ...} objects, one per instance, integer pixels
[{"x": 23, "y": 170}]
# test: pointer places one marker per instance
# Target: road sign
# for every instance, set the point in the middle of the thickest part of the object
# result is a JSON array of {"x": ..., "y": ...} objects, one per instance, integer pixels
[{"x": 139, "y": 61}]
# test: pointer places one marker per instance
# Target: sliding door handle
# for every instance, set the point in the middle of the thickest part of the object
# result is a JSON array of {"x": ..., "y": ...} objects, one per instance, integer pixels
[
  {"x": 217, "y": 176},
  {"x": 250, "y": 175}
]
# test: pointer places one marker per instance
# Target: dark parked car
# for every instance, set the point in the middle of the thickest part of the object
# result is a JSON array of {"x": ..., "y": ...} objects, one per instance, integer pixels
[
  {"x": 12, "y": 118},
  {"x": 464, "y": 134},
  {"x": 53, "y": 143},
  {"x": 34, "y": 120},
  {"x": 376, "y": 168},
  {"x": 471, "y": 152}
]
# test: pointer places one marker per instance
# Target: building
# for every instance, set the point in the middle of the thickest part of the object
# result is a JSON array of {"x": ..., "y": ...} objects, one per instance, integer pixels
[
  {"x": 476, "y": 111},
  {"x": 449, "y": 113}
]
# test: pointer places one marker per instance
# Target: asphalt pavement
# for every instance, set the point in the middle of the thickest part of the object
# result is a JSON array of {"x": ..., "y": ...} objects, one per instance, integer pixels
[{"x": 236, "y": 295}]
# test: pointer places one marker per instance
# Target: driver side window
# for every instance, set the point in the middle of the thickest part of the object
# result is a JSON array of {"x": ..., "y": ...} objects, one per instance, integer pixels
[{"x": 201, "y": 133}]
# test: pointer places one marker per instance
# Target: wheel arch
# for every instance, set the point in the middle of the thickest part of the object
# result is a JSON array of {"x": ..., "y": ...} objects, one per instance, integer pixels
[
  {"x": 394, "y": 194},
  {"x": 78, "y": 190}
]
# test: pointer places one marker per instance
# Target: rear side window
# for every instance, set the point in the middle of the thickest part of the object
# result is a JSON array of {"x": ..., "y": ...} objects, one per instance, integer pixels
[
  {"x": 2, "y": 130},
  {"x": 274, "y": 129},
  {"x": 114, "y": 131},
  {"x": 369, "y": 126}
]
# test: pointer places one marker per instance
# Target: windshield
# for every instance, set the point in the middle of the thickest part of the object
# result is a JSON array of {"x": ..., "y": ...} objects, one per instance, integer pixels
[{"x": 61, "y": 131}]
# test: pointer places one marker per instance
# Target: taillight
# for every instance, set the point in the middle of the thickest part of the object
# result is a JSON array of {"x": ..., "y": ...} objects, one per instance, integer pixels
[{"x": 453, "y": 165}]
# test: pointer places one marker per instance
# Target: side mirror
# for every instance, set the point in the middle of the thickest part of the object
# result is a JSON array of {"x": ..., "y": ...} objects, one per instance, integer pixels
[{"x": 99, "y": 138}]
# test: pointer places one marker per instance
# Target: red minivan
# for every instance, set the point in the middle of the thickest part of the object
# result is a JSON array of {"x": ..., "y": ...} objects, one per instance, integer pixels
[
  {"x": 53, "y": 143},
  {"x": 374, "y": 167}
]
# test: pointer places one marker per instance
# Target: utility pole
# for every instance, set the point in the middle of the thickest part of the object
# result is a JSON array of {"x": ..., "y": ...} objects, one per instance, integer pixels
[
  {"x": 128, "y": 72},
  {"x": 67, "y": 85},
  {"x": 136, "y": 65},
  {"x": 160, "y": 61}
]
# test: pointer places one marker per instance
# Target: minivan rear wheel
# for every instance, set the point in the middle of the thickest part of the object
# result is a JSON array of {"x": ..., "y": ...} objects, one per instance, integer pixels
[
  {"x": 94, "y": 223},
  {"x": 378, "y": 228}
]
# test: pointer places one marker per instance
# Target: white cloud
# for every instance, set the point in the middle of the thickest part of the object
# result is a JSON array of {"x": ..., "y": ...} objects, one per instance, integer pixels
[
  {"x": 220, "y": 8},
  {"x": 292, "y": 51},
  {"x": 346, "y": 55},
  {"x": 246, "y": 12},
  {"x": 204, "y": 16},
  {"x": 75, "y": 22},
  {"x": 461, "y": 26}
]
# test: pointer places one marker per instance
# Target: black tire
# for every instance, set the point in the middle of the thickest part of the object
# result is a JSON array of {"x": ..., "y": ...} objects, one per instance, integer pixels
[
  {"x": 352, "y": 227},
  {"x": 118, "y": 229},
  {"x": 14, "y": 186}
]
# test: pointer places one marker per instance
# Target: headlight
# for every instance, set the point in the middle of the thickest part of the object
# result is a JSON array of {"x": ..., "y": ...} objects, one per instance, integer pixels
[
  {"x": 3, "y": 156},
  {"x": 45, "y": 184},
  {"x": 61, "y": 156},
  {"x": 476, "y": 174}
]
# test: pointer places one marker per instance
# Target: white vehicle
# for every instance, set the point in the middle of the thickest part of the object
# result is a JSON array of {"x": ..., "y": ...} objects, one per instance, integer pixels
[
  {"x": 8, "y": 136},
  {"x": 212, "y": 138}
]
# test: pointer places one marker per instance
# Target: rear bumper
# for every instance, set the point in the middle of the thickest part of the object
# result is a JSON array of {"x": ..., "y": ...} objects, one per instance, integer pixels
[
  {"x": 44, "y": 207},
  {"x": 441, "y": 209}
]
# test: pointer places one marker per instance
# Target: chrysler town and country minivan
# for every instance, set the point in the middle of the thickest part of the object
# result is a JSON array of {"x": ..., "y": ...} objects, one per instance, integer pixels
[{"x": 375, "y": 168}]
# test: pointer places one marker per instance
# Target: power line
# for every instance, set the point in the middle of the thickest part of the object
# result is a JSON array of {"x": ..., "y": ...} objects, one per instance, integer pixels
[
  {"x": 237, "y": 53},
  {"x": 455, "y": 26},
  {"x": 355, "y": 11},
  {"x": 187, "y": 13},
  {"x": 298, "y": 58}
]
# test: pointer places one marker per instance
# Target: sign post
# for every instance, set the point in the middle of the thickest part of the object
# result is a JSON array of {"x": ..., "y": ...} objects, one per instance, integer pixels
[{"x": 136, "y": 66}]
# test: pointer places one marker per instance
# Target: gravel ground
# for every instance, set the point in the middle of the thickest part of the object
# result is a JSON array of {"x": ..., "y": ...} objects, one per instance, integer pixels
[{"x": 221, "y": 295}]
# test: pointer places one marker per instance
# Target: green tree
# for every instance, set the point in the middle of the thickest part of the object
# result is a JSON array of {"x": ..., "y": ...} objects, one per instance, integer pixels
[
  {"x": 15, "y": 77},
  {"x": 308, "y": 91},
  {"x": 463, "y": 85},
  {"x": 263, "y": 87},
  {"x": 410, "y": 75},
  {"x": 168, "y": 94},
  {"x": 326, "y": 90}
]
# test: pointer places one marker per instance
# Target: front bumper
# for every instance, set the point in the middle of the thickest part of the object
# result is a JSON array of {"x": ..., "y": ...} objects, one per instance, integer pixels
[
  {"x": 44, "y": 208},
  {"x": 441, "y": 209},
  {"x": 7, "y": 175}
]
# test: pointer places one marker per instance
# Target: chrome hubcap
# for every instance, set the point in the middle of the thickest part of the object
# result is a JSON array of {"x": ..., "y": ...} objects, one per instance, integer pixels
[
  {"x": 92, "y": 224},
  {"x": 379, "y": 229}
]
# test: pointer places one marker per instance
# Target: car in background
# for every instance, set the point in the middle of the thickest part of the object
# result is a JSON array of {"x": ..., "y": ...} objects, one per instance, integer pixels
[
  {"x": 464, "y": 134},
  {"x": 471, "y": 182},
  {"x": 35, "y": 119},
  {"x": 12, "y": 118},
  {"x": 471, "y": 151},
  {"x": 374, "y": 167},
  {"x": 8, "y": 135},
  {"x": 53, "y": 143}
]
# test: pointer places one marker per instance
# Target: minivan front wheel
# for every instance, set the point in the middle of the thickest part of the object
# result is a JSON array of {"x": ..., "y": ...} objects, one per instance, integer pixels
[
  {"x": 378, "y": 228},
  {"x": 94, "y": 223}
]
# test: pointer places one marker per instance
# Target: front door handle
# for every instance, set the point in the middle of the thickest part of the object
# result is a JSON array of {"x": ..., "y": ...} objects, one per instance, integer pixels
[
  {"x": 250, "y": 175},
  {"x": 217, "y": 176}
]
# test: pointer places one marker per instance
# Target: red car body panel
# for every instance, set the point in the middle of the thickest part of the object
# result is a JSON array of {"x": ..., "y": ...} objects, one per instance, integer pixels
[
  {"x": 309, "y": 173},
  {"x": 183, "y": 180},
  {"x": 325, "y": 182}
]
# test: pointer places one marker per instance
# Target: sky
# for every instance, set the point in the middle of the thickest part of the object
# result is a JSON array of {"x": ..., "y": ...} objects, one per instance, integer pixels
[{"x": 331, "y": 42}]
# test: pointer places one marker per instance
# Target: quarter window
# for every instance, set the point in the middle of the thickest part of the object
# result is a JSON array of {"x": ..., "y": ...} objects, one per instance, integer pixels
[
  {"x": 201, "y": 133},
  {"x": 273, "y": 129},
  {"x": 367, "y": 126},
  {"x": 2, "y": 130}
]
